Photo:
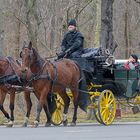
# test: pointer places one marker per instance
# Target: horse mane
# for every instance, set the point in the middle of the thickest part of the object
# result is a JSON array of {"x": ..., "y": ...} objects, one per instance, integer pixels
[
  {"x": 38, "y": 58},
  {"x": 2, "y": 58},
  {"x": 4, "y": 64}
]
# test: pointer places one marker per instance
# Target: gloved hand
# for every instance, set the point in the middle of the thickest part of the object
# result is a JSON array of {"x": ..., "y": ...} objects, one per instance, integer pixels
[
  {"x": 68, "y": 53},
  {"x": 61, "y": 55}
]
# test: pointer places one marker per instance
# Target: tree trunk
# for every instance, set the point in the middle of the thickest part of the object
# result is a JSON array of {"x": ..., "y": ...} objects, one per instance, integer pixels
[
  {"x": 1, "y": 34},
  {"x": 107, "y": 40},
  {"x": 30, "y": 12},
  {"x": 127, "y": 33},
  {"x": 1, "y": 41},
  {"x": 98, "y": 24}
]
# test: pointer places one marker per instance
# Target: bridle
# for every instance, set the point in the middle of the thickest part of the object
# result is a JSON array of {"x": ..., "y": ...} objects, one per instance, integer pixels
[{"x": 30, "y": 57}]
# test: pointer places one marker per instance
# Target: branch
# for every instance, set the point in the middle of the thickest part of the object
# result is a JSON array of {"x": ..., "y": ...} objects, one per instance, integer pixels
[
  {"x": 69, "y": 8},
  {"x": 20, "y": 20},
  {"x": 83, "y": 9},
  {"x": 44, "y": 45},
  {"x": 137, "y": 1},
  {"x": 42, "y": 21}
]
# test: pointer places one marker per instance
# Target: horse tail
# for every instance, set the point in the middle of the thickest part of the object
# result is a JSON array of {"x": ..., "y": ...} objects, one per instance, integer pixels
[{"x": 83, "y": 97}]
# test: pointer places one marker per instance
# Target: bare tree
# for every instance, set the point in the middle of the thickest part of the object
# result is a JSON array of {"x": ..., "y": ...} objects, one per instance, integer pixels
[
  {"x": 31, "y": 15},
  {"x": 17, "y": 12},
  {"x": 1, "y": 29},
  {"x": 107, "y": 39}
]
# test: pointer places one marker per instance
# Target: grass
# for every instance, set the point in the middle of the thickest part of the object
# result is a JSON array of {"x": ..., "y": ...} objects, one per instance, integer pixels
[
  {"x": 127, "y": 115},
  {"x": 82, "y": 118}
]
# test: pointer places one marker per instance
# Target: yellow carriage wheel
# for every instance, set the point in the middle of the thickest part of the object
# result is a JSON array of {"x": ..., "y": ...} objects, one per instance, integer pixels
[
  {"x": 96, "y": 114},
  {"x": 95, "y": 110},
  {"x": 57, "y": 116},
  {"x": 107, "y": 107},
  {"x": 94, "y": 99}
]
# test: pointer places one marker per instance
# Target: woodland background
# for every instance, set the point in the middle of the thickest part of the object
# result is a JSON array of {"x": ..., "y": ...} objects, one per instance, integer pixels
[{"x": 45, "y": 21}]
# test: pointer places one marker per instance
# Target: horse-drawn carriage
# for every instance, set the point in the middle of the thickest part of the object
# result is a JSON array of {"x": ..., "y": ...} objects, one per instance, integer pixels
[{"x": 106, "y": 81}]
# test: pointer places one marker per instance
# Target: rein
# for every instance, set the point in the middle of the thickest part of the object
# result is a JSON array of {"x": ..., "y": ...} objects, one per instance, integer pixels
[
  {"x": 53, "y": 80},
  {"x": 38, "y": 75}
]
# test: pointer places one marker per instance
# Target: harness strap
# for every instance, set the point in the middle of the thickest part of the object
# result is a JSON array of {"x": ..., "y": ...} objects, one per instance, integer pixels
[
  {"x": 55, "y": 78},
  {"x": 14, "y": 70},
  {"x": 53, "y": 81},
  {"x": 47, "y": 76},
  {"x": 37, "y": 77}
]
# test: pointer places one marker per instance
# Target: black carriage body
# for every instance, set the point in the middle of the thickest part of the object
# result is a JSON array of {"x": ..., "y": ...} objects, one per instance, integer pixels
[
  {"x": 96, "y": 71},
  {"x": 124, "y": 83}
]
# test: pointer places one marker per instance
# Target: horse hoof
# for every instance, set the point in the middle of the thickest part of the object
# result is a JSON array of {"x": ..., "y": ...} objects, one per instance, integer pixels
[
  {"x": 73, "y": 124},
  {"x": 47, "y": 124},
  {"x": 9, "y": 124},
  {"x": 65, "y": 123},
  {"x": 36, "y": 123},
  {"x": 24, "y": 125}
]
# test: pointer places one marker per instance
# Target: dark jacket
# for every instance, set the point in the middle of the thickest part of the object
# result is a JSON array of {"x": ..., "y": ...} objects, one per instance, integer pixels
[{"x": 72, "y": 42}]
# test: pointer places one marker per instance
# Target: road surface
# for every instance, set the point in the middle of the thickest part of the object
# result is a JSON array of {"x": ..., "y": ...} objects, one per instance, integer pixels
[{"x": 86, "y": 131}]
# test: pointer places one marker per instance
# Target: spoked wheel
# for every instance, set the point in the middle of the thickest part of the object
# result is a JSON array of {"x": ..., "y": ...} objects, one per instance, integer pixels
[
  {"x": 107, "y": 107},
  {"x": 94, "y": 99},
  {"x": 95, "y": 111},
  {"x": 57, "y": 116},
  {"x": 96, "y": 114}
]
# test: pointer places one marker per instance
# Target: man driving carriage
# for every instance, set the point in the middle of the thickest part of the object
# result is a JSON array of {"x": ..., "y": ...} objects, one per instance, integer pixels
[{"x": 72, "y": 43}]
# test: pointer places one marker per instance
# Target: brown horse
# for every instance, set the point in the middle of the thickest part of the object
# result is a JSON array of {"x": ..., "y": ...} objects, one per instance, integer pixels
[
  {"x": 54, "y": 77},
  {"x": 9, "y": 68}
]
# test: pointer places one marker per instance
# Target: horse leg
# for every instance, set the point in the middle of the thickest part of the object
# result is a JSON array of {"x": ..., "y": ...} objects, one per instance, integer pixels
[
  {"x": 11, "y": 107},
  {"x": 2, "y": 98},
  {"x": 4, "y": 112},
  {"x": 43, "y": 103},
  {"x": 37, "y": 120},
  {"x": 75, "y": 102},
  {"x": 29, "y": 106},
  {"x": 66, "y": 100},
  {"x": 48, "y": 115}
]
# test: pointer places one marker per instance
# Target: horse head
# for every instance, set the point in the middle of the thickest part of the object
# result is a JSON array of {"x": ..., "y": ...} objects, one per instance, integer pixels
[
  {"x": 31, "y": 59},
  {"x": 27, "y": 56}
]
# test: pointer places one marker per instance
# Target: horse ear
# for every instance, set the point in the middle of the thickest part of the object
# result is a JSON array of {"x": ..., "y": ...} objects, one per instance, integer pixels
[
  {"x": 30, "y": 45},
  {"x": 20, "y": 54},
  {"x": 24, "y": 43}
]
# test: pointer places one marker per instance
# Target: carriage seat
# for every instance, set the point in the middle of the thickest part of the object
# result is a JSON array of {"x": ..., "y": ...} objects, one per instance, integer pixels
[
  {"x": 84, "y": 64},
  {"x": 90, "y": 52}
]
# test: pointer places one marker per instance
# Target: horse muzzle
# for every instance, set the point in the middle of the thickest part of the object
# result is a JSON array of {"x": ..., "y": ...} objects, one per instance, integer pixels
[{"x": 24, "y": 69}]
